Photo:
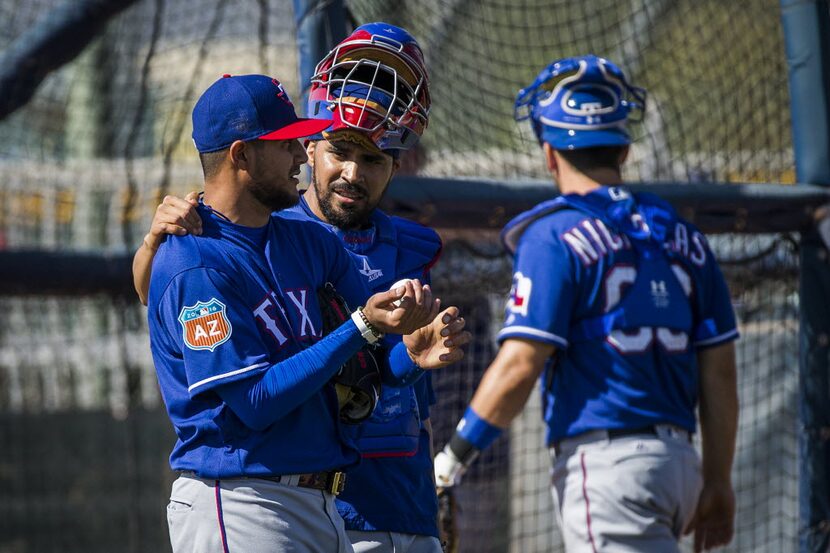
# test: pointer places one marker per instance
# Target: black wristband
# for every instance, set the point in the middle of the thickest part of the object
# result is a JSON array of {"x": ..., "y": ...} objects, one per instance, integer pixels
[{"x": 463, "y": 450}]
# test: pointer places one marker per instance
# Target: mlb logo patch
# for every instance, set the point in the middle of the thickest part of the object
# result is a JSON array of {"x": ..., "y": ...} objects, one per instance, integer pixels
[
  {"x": 519, "y": 294},
  {"x": 205, "y": 325}
]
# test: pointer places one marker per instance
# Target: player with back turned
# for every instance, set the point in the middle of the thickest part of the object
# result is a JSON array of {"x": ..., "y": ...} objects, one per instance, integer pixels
[
  {"x": 374, "y": 89},
  {"x": 620, "y": 307}
]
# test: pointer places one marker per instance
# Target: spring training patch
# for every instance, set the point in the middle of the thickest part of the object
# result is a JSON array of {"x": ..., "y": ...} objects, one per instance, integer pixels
[{"x": 205, "y": 325}]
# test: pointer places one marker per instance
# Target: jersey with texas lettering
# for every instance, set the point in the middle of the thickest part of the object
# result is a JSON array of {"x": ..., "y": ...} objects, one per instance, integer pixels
[
  {"x": 391, "y": 490},
  {"x": 219, "y": 312},
  {"x": 627, "y": 292}
]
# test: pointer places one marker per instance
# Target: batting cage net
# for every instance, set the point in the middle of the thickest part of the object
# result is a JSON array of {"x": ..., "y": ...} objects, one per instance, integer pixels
[{"x": 106, "y": 135}]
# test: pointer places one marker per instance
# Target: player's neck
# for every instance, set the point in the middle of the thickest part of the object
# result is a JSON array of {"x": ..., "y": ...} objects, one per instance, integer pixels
[
  {"x": 235, "y": 204},
  {"x": 575, "y": 182}
]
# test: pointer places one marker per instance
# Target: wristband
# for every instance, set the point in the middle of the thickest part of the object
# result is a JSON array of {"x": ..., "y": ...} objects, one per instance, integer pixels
[
  {"x": 472, "y": 435},
  {"x": 476, "y": 431},
  {"x": 367, "y": 330}
]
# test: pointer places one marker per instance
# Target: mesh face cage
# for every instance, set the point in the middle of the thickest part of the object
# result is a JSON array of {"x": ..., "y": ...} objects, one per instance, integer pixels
[{"x": 375, "y": 86}]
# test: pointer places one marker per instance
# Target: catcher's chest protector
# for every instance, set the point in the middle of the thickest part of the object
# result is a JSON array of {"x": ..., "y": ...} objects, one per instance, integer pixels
[{"x": 400, "y": 249}]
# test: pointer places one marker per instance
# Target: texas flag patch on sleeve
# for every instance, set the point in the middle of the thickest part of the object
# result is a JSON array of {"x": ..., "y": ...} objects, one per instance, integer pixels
[
  {"x": 519, "y": 294},
  {"x": 205, "y": 325}
]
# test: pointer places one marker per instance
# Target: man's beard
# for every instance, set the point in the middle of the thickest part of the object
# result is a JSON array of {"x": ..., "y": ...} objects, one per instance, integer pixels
[
  {"x": 273, "y": 197},
  {"x": 346, "y": 217}
]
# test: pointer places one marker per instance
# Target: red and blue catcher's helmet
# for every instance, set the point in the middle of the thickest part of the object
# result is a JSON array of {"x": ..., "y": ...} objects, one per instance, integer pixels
[
  {"x": 581, "y": 102},
  {"x": 374, "y": 82}
]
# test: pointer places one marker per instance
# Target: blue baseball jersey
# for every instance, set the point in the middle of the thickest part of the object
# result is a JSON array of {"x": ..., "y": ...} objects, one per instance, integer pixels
[
  {"x": 392, "y": 489},
  {"x": 220, "y": 313},
  {"x": 627, "y": 292}
]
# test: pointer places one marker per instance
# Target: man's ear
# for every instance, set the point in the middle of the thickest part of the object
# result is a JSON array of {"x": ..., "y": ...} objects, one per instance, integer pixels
[
  {"x": 396, "y": 164},
  {"x": 309, "y": 151},
  {"x": 550, "y": 159},
  {"x": 238, "y": 154}
]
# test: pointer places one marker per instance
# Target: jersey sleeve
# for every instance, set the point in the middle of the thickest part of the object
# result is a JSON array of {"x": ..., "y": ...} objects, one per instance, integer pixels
[
  {"x": 205, "y": 315},
  {"x": 715, "y": 317},
  {"x": 542, "y": 295}
]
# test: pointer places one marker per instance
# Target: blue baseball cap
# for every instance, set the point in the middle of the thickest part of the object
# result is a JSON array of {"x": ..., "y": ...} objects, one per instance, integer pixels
[
  {"x": 580, "y": 102},
  {"x": 247, "y": 107}
]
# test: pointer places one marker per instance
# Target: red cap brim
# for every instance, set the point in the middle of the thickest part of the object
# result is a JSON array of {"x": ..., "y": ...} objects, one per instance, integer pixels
[{"x": 298, "y": 129}]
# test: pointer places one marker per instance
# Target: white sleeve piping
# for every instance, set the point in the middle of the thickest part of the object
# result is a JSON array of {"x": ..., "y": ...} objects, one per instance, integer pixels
[
  {"x": 510, "y": 331},
  {"x": 719, "y": 338},
  {"x": 226, "y": 375}
]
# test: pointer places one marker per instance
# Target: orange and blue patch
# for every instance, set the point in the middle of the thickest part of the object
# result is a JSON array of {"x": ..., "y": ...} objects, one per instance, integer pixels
[{"x": 205, "y": 325}]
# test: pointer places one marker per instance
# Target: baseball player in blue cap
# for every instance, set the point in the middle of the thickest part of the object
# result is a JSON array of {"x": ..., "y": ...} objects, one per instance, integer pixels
[
  {"x": 237, "y": 338},
  {"x": 373, "y": 88},
  {"x": 619, "y": 306}
]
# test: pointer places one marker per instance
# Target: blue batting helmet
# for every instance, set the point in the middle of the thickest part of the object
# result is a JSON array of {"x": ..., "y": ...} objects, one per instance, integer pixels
[{"x": 580, "y": 102}]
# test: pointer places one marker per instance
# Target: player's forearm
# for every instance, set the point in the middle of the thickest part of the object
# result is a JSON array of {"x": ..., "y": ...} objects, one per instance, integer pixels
[
  {"x": 503, "y": 392},
  {"x": 260, "y": 401},
  {"x": 506, "y": 385},
  {"x": 401, "y": 370},
  {"x": 718, "y": 411},
  {"x": 499, "y": 398},
  {"x": 142, "y": 267}
]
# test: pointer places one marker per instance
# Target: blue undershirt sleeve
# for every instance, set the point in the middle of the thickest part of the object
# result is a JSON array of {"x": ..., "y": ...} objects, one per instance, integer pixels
[
  {"x": 404, "y": 372},
  {"x": 263, "y": 399}
]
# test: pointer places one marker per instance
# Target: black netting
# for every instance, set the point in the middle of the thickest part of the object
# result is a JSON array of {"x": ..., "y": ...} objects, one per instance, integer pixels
[{"x": 715, "y": 72}]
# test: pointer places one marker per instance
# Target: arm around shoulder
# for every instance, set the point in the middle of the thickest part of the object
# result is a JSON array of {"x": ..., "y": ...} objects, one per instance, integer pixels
[
  {"x": 142, "y": 265},
  {"x": 173, "y": 216}
]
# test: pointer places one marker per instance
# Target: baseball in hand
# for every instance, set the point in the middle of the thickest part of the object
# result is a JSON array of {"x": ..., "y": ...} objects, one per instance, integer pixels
[{"x": 402, "y": 282}]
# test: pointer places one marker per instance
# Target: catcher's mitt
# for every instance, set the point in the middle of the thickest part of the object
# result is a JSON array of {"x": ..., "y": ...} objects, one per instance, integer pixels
[
  {"x": 358, "y": 382},
  {"x": 447, "y": 523}
]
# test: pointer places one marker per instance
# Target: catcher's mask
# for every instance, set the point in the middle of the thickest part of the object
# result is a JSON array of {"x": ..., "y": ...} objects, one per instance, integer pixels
[
  {"x": 375, "y": 81},
  {"x": 581, "y": 102}
]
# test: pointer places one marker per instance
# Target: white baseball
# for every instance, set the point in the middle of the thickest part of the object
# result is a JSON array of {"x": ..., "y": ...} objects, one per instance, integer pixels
[{"x": 402, "y": 282}]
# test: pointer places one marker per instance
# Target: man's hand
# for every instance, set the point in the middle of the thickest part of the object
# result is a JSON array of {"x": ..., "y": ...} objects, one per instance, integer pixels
[
  {"x": 417, "y": 308},
  {"x": 174, "y": 215},
  {"x": 439, "y": 343},
  {"x": 714, "y": 520},
  {"x": 448, "y": 468}
]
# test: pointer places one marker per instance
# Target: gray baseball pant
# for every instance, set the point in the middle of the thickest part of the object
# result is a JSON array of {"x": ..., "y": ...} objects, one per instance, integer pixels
[
  {"x": 625, "y": 495},
  {"x": 393, "y": 542},
  {"x": 250, "y": 515}
]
